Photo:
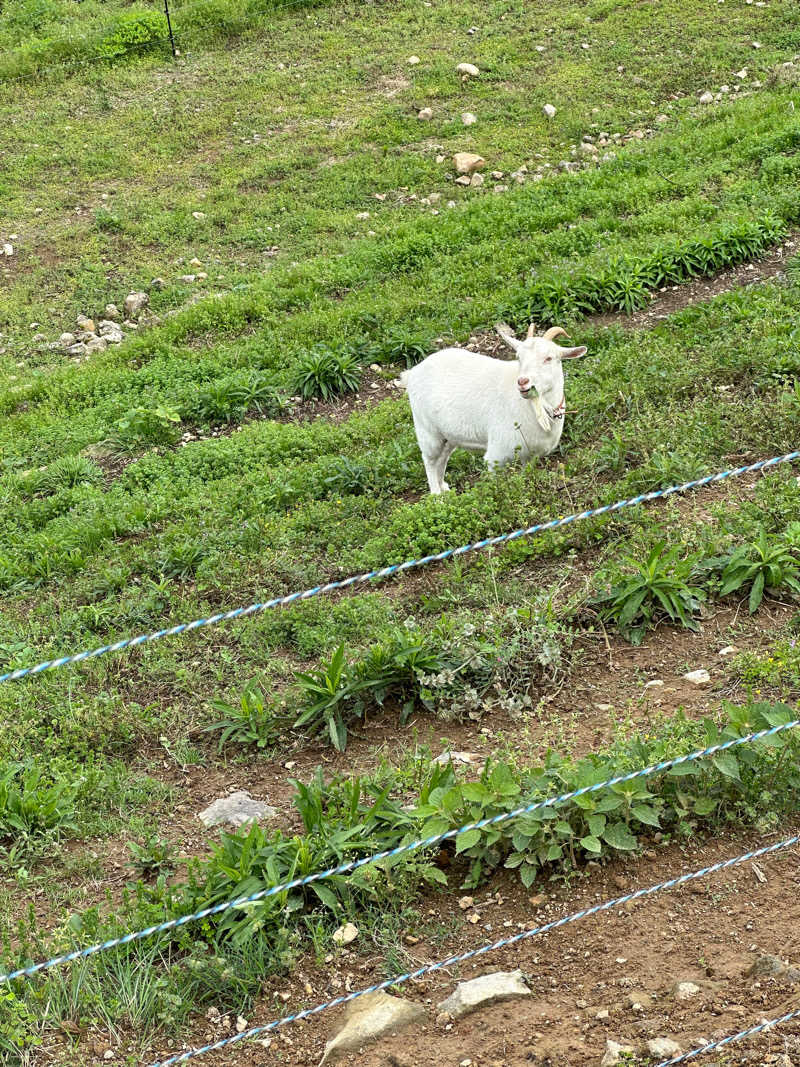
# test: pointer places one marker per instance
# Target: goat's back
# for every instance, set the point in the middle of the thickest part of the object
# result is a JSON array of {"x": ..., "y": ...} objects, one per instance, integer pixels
[{"x": 456, "y": 393}]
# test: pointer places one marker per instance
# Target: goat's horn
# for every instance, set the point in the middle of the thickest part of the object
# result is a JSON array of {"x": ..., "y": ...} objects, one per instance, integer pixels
[
  {"x": 531, "y": 331},
  {"x": 555, "y": 331}
]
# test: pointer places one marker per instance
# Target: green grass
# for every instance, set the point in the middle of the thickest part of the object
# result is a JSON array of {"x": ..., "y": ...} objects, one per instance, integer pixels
[{"x": 109, "y": 527}]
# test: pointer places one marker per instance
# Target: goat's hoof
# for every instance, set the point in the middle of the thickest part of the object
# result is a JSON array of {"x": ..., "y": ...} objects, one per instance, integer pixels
[{"x": 445, "y": 487}]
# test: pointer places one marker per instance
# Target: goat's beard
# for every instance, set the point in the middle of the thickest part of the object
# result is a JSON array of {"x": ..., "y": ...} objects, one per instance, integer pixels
[{"x": 541, "y": 415}]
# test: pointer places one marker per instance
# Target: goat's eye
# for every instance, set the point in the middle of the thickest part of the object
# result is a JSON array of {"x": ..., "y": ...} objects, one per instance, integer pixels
[{"x": 548, "y": 359}]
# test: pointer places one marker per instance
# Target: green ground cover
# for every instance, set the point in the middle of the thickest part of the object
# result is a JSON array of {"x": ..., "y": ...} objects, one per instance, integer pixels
[{"x": 99, "y": 182}]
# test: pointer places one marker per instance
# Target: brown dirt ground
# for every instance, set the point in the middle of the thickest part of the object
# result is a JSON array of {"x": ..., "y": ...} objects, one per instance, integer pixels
[{"x": 708, "y": 932}]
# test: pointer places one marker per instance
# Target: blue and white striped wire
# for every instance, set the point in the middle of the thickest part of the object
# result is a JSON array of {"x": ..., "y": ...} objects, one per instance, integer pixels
[
  {"x": 702, "y": 1049},
  {"x": 395, "y": 568},
  {"x": 411, "y": 846},
  {"x": 451, "y": 961}
]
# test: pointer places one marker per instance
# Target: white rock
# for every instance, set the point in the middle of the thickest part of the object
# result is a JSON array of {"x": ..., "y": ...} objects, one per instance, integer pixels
[
  {"x": 413, "y": 60},
  {"x": 741, "y": 74},
  {"x": 706, "y": 97},
  {"x": 458, "y": 758},
  {"x": 476, "y": 179},
  {"x": 469, "y": 69},
  {"x": 755, "y": 44},
  {"x": 728, "y": 650},
  {"x": 368, "y": 1018},
  {"x": 549, "y": 111},
  {"x": 134, "y": 303},
  {"x": 488, "y": 989},
  {"x": 362, "y": 215},
  {"x": 96, "y": 344},
  {"x": 463, "y": 180},
  {"x": 614, "y": 1053},
  {"x": 66, "y": 340},
  {"x": 236, "y": 810},
  {"x": 699, "y": 677},
  {"x": 724, "y": 88},
  {"x": 685, "y": 990},
  {"x": 78, "y": 349},
  {"x": 112, "y": 331},
  {"x": 198, "y": 215},
  {"x": 8, "y": 248},
  {"x": 241, "y": 1025},
  {"x": 540, "y": 48},
  {"x": 468, "y": 162},
  {"x": 426, "y": 114},
  {"x": 663, "y": 1048},
  {"x": 655, "y": 684},
  {"x": 346, "y": 934},
  {"x": 468, "y": 119},
  {"x": 187, "y": 278},
  {"x": 112, "y": 312}
]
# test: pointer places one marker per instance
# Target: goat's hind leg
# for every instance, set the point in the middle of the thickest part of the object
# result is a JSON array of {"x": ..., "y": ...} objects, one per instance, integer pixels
[
  {"x": 441, "y": 466},
  {"x": 433, "y": 449}
]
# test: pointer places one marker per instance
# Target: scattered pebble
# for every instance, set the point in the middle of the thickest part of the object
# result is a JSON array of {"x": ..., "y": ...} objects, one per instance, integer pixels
[
  {"x": 699, "y": 677},
  {"x": 469, "y": 70},
  {"x": 468, "y": 119},
  {"x": 426, "y": 114},
  {"x": 549, "y": 111},
  {"x": 346, "y": 934}
]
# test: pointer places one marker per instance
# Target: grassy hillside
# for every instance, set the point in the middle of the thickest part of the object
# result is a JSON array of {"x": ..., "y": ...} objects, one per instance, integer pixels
[{"x": 307, "y": 232}]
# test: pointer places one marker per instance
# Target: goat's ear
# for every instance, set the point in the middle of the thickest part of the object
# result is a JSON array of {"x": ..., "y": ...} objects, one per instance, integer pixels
[
  {"x": 506, "y": 333},
  {"x": 573, "y": 353},
  {"x": 531, "y": 332}
]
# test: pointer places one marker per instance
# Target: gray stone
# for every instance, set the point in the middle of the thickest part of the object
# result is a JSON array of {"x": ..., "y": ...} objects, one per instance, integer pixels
[
  {"x": 476, "y": 179},
  {"x": 663, "y": 1048},
  {"x": 157, "y": 283},
  {"x": 468, "y": 69},
  {"x": 706, "y": 97},
  {"x": 96, "y": 344},
  {"x": 237, "y": 809},
  {"x": 766, "y": 966},
  {"x": 112, "y": 331},
  {"x": 614, "y": 1053},
  {"x": 78, "y": 349},
  {"x": 426, "y": 114},
  {"x": 86, "y": 324},
  {"x": 368, "y": 1018},
  {"x": 549, "y": 111},
  {"x": 488, "y": 989},
  {"x": 134, "y": 303},
  {"x": 113, "y": 313},
  {"x": 468, "y": 119},
  {"x": 66, "y": 340}
]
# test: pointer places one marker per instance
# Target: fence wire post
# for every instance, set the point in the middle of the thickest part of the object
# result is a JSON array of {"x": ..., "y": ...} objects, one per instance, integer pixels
[{"x": 169, "y": 28}]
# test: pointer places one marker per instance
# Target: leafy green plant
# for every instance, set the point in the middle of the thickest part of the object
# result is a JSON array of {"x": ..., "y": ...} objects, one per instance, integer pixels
[
  {"x": 326, "y": 693},
  {"x": 253, "y": 721},
  {"x": 144, "y": 426},
  {"x": 64, "y": 473},
  {"x": 659, "y": 588},
  {"x": 180, "y": 560},
  {"x": 31, "y": 805},
  {"x": 229, "y": 399},
  {"x": 152, "y": 857},
  {"x": 132, "y": 30},
  {"x": 765, "y": 565},
  {"x": 323, "y": 372}
]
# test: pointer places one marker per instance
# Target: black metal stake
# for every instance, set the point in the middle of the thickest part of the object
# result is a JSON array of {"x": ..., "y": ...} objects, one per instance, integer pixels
[{"x": 169, "y": 27}]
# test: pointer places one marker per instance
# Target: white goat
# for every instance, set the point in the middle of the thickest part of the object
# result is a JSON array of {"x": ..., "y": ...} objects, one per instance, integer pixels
[{"x": 505, "y": 409}]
